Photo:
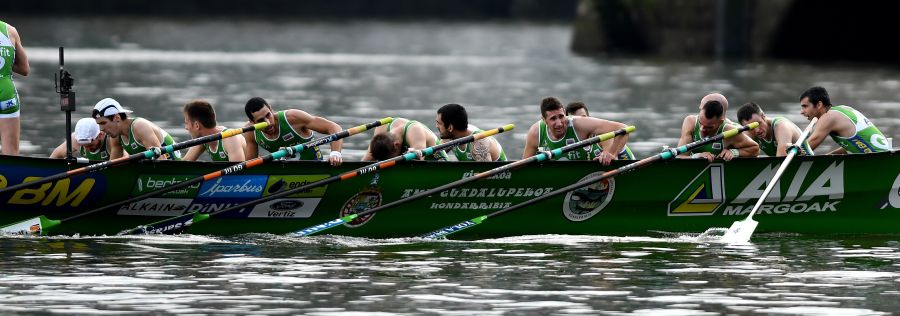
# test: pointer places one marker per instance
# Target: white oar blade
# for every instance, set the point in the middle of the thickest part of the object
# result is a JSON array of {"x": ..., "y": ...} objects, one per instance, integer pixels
[{"x": 740, "y": 232}]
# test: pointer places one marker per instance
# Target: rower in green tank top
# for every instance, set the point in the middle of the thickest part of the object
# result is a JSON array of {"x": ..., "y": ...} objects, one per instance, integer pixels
[
  {"x": 12, "y": 60},
  {"x": 452, "y": 123},
  {"x": 87, "y": 141},
  {"x": 774, "y": 135},
  {"x": 711, "y": 121},
  {"x": 288, "y": 128},
  {"x": 556, "y": 130},
  {"x": 200, "y": 121},
  {"x": 129, "y": 135},
  {"x": 578, "y": 108},
  {"x": 391, "y": 141},
  {"x": 849, "y": 128}
]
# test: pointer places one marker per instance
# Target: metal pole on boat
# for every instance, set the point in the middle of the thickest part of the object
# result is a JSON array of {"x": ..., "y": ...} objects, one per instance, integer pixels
[{"x": 63, "y": 82}]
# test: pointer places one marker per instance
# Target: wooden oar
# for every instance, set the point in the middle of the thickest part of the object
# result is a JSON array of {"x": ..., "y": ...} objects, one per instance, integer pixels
[
  {"x": 668, "y": 154},
  {"x": 151, "y": 153},
  {"x": 45, "y": 223},
  {"x": 180, "y": 223},
  {"x": 538, "y": 157},
  {"x": 740, "y": 231}
]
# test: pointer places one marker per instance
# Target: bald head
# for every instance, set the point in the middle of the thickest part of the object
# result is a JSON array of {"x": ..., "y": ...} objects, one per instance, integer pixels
[{"x": 715, "y": 97}]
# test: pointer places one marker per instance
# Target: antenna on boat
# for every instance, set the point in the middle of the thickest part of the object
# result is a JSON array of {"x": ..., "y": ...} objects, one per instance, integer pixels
[{"x": 63, "y": 82}]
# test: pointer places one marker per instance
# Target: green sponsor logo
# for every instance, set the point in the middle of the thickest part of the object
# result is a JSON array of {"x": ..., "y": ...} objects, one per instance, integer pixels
[
  {"x": 154, "y": 182},
  {"x": 278, "y": 183}
]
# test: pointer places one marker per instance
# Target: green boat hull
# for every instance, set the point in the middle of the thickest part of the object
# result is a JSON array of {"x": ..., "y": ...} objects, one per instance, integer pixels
[{"x": 856, "y": 194}]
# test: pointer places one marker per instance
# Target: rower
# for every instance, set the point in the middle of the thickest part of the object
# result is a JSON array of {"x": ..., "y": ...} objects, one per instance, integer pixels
[
  {"x": 847, "y": 127},
  {"x": 556, "y": 130},
  {"x": 129, "y": 135},
  {"x": 578, "y": 108},
  {"x": 288, "y": 128},
  {"x": 452, "y": 122},
  {"x": 87, "y": 140},
  {"x": 709, "y": 122},
  {"x": 400, "y": 136},
  {"x": 773, "y": 135},
  {"x": 200, "y": 121}
]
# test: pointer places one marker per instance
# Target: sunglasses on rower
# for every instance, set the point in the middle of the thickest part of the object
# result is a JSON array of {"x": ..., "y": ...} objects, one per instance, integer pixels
[{"x": 98, "y": 113}]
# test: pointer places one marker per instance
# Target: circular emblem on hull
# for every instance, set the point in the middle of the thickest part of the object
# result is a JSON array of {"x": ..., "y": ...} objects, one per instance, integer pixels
[
  {"x": 362, "y": 201},
  {"x": 584, "y": 203}
]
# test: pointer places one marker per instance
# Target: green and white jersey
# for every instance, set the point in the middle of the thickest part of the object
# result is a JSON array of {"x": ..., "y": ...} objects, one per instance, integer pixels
[
  {"x": 9, "y": 98},
  {"x": 132, "y": 146},
  {"x": 770, "y": 147},
  {"x": 436, "y": 156},
  {"x": 287, "y": 136},
  {"x": 867, "y": 139},
  {"x": 102, "y": 153},
  {"x": 216, "y": 151},
  {"x": 546, "y": 143},
  {"x": 714, "y": 148},
  {"x": 465, "y": 154}
]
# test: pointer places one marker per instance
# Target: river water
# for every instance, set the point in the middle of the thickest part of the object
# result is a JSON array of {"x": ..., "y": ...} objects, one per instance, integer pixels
[{"x": 353, "y": 72}]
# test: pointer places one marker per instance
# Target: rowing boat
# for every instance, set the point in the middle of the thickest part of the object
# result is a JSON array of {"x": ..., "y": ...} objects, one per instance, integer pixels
[{"x": 851, "y": 194}]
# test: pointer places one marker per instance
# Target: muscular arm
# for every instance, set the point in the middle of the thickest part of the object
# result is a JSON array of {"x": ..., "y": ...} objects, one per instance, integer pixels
[
  {"x": 115, "y": 148},
  {"x": 687, "y": 133},
  {"x": 193, "y": 153},
  {"x": 746, "y": 146},
  {"x": 784, "y": 134},
  {"x": 20, "y": 65},
  {"x": 145, "y": 133},
  {"x": 60, "y": 151},
  {"x": 481, "y": 150},
  {"x": 234, "y": 147},
  {"x": 299, "y": 120},
  {"x": 417, "y": 136},
  {"x": 531, "y": 141},
  {"x": 585, "y": 126},
  {"x": 823, "y": 127}
]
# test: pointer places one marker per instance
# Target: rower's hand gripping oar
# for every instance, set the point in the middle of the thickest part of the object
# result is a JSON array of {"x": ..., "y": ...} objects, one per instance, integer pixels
[
  {"x": 665, "y": 155},
  {"x": 538, "y": 157},
  {"x": 151, "y": 153},
  {"x": 179, "y": 223},
  {"x": 287, "y": 151},
  {"x": 740, "y": 231}
]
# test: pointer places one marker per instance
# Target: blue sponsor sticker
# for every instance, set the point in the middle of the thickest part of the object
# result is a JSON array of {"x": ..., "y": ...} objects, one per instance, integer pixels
[{"x": 250, "y": 186}]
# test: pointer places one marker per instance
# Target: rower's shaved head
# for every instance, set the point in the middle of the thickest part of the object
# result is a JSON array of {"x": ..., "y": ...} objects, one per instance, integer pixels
[{"x": 715, "y": 97}]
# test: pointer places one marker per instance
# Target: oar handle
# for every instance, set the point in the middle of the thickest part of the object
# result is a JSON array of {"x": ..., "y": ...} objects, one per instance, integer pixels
[
  {"x": 590, "y": 141},
  {"x": 290, "y": 151}
]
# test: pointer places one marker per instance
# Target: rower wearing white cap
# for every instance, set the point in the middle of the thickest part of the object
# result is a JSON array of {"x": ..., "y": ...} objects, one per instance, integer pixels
[
  {"x": 87, "y": 140},
  {"x": 132, "y": 135}
]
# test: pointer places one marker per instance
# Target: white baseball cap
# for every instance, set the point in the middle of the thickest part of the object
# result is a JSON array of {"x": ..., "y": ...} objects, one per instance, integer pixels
[
  {"x": 107, "y": 107},
  {"x": 86, "y": 130}
]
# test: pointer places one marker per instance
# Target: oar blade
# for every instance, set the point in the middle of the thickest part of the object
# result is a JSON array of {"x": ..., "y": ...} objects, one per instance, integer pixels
[
  {"x": 446, "y": 231},
  {"x": 740, "y": 232},
  {"x": 169, "y": 226},
  {"x": 327, "y": 225},
  {"x": 32, "y": 226}
]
